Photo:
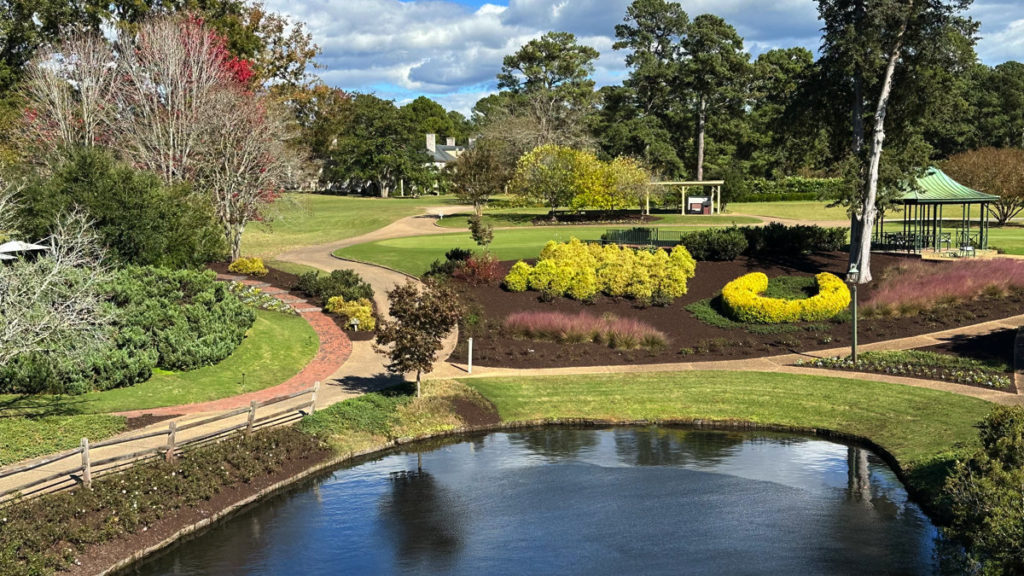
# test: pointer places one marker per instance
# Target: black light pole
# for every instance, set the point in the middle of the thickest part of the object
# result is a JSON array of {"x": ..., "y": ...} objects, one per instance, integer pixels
[{"x": 852, "y": 278}]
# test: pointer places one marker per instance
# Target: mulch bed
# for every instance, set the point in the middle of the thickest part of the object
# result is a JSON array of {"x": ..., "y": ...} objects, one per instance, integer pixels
[
  {"x": 97, "y": 558},
  {"x": 276, "y": 278},
  {"x": 145, "y": 420},
  {"x": 996, "y": 346},
  {"x": 492, "y": 347}
]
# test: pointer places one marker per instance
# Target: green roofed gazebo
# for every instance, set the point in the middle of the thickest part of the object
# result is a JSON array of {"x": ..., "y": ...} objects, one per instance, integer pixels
[{"x": 925, "y": 223}]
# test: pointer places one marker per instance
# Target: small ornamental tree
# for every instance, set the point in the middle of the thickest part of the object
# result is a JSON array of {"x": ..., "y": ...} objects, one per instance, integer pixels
[
  {"x": 420, "y": 318},
  {"x": 998, "y": 171}
]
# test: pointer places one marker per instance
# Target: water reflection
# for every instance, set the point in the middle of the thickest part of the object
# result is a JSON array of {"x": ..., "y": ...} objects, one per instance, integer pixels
[{"x": 570, "y": 501}]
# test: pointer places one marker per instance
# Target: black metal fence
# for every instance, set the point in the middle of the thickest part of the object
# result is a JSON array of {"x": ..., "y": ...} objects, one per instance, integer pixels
[{"x": 643, "y": 237}]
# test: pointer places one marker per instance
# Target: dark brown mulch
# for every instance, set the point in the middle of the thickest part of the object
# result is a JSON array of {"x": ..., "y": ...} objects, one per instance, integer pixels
[
  {"x": 145, "y": 420},
  {"x": 473, "y": 414},
  {"x": 692, "y": 340},
  {"x": 993, "y": 347},
  {"x": 97, "y": 558},
  {"x": 276, "y": 278}
]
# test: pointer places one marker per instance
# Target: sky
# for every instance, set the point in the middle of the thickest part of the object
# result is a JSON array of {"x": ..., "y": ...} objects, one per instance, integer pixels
[{"x": 451, "y": 50}]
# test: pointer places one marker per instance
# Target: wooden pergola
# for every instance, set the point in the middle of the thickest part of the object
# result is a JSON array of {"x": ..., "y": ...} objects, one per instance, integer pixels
[
  {"x": 716, "y": 194},
  {"x": 924, "y": 222}
]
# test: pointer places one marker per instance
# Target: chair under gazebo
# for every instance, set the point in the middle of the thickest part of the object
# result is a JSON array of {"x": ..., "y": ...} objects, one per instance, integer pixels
[{"x": 924, "y": 223}]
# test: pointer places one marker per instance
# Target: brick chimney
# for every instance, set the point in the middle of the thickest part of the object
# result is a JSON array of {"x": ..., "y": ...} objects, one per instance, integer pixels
[
  {"x": 450, "y": 141},
  {"x": 431, "y": 143}
]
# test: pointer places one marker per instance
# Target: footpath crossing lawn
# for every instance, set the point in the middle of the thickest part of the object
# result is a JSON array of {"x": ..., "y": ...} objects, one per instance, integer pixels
[
  {"x": 308, "y": 219},
  {"x": 413, "y": 255},
  {"x": 809, "y": 210}
]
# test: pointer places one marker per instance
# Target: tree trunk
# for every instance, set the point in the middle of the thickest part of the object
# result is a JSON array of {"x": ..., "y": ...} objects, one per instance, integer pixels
[
  {"x": 701, "y": 120},
  {"x": 418, "y": 373},
  {"x": 478, "y": 207},
  {"x": 857, "y": 112},
  {"x": 383, "y": 188},
  {"x": 868, "y": 209}
]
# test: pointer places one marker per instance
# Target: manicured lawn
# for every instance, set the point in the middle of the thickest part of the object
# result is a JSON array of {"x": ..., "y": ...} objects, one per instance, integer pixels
[
  {"x": 413, "y": 255},
  {"x": 915, "y": 425},
  {"x": 504, "y": 217},
  {"x": 22, "y": 438},
  {"x": 307, "y": 219},
  {"x": 276, "y": 348},
  {"x": 790, "y": 210}
]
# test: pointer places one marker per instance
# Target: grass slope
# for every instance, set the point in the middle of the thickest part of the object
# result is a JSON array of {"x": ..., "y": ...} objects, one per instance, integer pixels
[
  {"x": 22, "y": 438},
  {"x": 915, "y": 425}
]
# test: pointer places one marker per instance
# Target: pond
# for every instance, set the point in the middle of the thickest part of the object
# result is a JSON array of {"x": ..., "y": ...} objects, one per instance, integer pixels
[{"x": 582, "y": 501}]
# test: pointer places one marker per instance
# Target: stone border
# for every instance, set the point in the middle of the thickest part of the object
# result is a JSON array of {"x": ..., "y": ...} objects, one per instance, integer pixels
[{"x": 697, "y": 424}]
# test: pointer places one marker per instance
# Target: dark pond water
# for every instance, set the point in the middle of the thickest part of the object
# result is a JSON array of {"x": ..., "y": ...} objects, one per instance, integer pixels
[{"x": 571, "y": 501}]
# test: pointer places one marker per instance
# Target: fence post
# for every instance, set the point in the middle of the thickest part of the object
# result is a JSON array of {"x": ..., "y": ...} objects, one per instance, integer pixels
[
  {"x": 86, "y": 464},
  {"x": 312, "y": 401},
  {"x": 252, "y": 416},
  {"x": 172, "y": 432},
  {"x": 470, "y": 355}
]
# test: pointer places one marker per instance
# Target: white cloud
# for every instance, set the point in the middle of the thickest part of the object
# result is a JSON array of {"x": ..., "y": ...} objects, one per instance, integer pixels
[{"x": 452, "y": 52}]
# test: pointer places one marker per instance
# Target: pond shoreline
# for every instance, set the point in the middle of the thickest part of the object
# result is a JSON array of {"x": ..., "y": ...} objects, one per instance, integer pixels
[{"x": 187, "y": 530}]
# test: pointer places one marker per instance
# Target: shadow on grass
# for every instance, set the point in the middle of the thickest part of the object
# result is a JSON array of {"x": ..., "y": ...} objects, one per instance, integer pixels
[
  {"x": 39, "y": 406},
  {"x": 364, "y": 384}
]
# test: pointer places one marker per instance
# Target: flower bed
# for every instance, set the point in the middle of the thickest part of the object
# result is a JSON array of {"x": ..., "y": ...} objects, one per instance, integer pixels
[
  {"x": 920, "y": 364},
  {"x": 743, "y": 301},
  {"x": 618, "y": 333}
]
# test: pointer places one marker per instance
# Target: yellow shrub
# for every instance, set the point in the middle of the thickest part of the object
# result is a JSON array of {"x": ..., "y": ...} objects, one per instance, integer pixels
[
  {"x": 743, "y": 301},
  {"x": 580, "y": 271},
  {"x": 518, "y": 278},
  {"x": 361, "y": 310},
  {"x": 248, "y": 266}
]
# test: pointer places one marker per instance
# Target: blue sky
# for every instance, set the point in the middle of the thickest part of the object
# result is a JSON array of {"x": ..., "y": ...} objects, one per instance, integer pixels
[{"x": 451, "y": 50}]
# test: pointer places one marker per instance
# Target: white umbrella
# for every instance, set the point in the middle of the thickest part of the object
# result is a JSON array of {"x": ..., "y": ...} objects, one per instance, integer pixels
[{"x": 19, "y": 246}]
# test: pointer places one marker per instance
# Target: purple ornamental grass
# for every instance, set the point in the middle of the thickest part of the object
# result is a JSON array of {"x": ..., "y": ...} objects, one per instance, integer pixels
[
  {"x": 584, "y": 327},
  {"x": 921, "y": 285}
]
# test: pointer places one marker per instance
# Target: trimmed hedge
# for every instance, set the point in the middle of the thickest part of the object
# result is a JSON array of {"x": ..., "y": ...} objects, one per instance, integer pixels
[
  {"x": 715, "y": 244},
  {"x": 581, "y": 271},
  {"x": 361, "y": 310},
  {"x": 790, "y": 188},
  {"x": 743, "y": 301},
  {"x": 776, "y": 238}
]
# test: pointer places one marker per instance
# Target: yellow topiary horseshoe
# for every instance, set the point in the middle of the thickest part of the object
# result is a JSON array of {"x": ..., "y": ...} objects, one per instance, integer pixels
[{"x": 744, "y": 303}]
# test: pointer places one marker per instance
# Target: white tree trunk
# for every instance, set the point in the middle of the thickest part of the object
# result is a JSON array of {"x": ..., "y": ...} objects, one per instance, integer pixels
[
  {"x": 701, "y": 121},
  {"x": 868, "y": 210}
]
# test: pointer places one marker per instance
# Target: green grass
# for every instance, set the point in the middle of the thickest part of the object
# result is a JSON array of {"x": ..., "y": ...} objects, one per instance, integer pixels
[
  {"x": 22, "y": 438},
  {"x": 413, "y": 255},
  {"x": 915, "y": 425},
  {"x": 505, "y": 217},
  {"x": 790, "y": 210},
  {"x": 1009, "y": 239},
  {"x": 307, "y": 219},
  {"x": 276, "y": 348}
]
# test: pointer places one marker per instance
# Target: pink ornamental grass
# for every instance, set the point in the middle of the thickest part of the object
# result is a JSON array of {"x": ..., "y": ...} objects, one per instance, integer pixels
[
  {"x": 920, "y": 285},
  {"x": 617, "y": 332}
]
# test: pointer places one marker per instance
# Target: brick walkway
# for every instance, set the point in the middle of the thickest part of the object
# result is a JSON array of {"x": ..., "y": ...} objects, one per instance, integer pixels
[{"x": 335, "y": 349}]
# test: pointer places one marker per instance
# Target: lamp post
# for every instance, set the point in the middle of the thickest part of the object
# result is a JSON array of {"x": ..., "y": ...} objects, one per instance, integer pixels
[
  {"x": 355, "y": 324},
  {"x": 851, "y": 277}
]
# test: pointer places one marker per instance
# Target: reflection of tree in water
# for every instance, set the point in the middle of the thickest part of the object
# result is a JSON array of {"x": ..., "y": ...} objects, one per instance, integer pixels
[
  {"x": 669, "y": 447},
  {"x": 423, "y": 519},
  {"x": 859, "y": 487},
  {"x": 556, "y": 442}
]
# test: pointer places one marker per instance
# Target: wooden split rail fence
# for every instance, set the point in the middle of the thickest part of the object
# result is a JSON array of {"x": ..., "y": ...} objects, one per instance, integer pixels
[{"x": 81, "y": 465}]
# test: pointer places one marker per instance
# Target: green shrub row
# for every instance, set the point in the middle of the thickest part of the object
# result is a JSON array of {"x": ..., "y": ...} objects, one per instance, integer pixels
[
  {"x": 581, "y": 271},
  {"x": 743, "y": 301},
  {"x": 790, "y": 188},
  {"x": 44, "y": 535},
  {"x": 776, "y": 238},
  {"x": 715, "y": 244},
  {"x": 344, "y": 283},
  {"x": 175, "y": 319}
]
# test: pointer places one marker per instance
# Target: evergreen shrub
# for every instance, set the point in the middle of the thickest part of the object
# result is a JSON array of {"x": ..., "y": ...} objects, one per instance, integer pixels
[
  {"x": 361, "y": 310},
  {"x": 248, "y": 266}
]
